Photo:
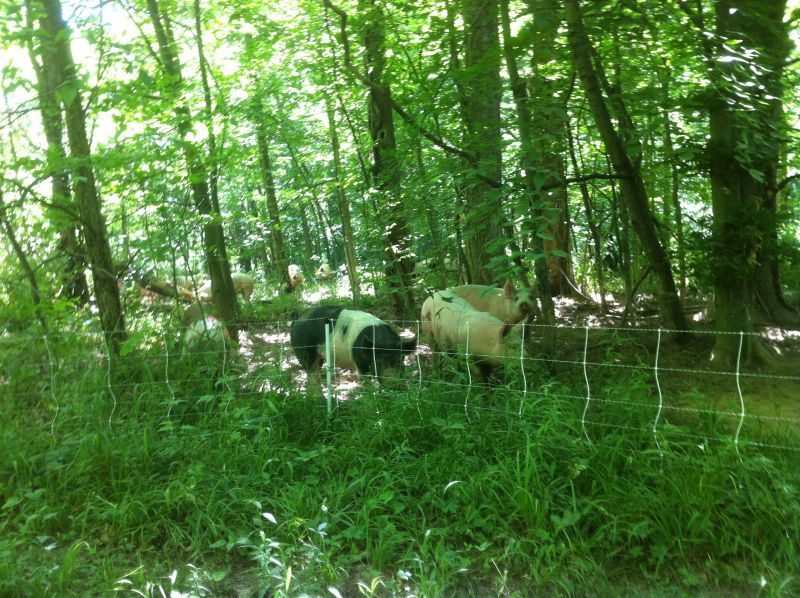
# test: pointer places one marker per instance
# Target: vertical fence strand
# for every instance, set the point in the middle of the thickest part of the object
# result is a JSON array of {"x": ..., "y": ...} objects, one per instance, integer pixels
[
  {"x": 588, "y": 388},
  {"x": 739, "y": 389},
  {"x": 52, "y": 371},
  {"x": 660, "y": 396}
]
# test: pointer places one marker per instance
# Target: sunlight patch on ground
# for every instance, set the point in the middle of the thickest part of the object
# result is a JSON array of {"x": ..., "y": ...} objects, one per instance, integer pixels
[
  {"x": 780, "y": 335},
  {"x": 314, "y": 294}
]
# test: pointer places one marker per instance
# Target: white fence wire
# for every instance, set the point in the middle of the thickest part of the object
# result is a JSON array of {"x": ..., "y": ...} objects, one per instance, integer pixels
[{"x": 65, "y": 354}]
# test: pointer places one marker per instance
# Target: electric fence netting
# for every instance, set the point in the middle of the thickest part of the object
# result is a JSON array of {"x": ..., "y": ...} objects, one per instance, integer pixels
[{"x": 614, "y": 379}]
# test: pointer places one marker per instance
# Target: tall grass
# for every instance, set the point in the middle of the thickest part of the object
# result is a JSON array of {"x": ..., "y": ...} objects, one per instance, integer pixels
[{"x": 194, "y": 480}]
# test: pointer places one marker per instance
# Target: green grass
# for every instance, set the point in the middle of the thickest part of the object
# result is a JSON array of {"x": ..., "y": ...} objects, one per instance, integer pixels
[{"x": 196, "y": 481}]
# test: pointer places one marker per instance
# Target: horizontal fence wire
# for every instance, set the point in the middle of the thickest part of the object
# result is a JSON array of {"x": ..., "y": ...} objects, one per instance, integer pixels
[{"x": 238, "y": 368}]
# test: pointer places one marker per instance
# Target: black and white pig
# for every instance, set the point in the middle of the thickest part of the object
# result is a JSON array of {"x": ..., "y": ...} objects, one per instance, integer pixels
[{"x": 359, "y": 341}]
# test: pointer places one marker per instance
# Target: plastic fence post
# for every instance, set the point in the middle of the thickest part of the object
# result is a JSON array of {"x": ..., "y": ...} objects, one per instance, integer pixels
[
  {"x": 522, "y": 364},
  {"x": 328, "y": 365}
]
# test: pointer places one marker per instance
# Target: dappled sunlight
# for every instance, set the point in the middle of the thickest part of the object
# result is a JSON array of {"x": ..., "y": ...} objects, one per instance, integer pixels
[{"x": 780, "y": 335}]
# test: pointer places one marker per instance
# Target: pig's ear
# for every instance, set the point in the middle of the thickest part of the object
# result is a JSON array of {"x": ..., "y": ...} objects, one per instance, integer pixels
[{"x": 508, "y": 289}]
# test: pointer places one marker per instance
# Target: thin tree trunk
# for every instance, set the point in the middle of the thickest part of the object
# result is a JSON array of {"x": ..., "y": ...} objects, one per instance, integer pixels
[
  {"x": 344, "y": 209},
  {"x": 214, "y": 234},
  {"x": 594, "y": 229},
  {"x": 549, "y": 145},
  {"x": 529, "y": 169},
  {"x": 36, "y": 295},
  {"x": 273, "y": 211},
  {"x": 309, "y": 248},
  {"x": 385, "y": 168},
  {"x": 632, "y": 184}
]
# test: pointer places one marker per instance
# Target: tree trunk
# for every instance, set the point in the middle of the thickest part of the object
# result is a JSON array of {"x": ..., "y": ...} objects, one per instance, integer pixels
[
  {"x": 213, "y": 232},
  {"x": 482, "y": 90},
  {"x": 58, "y": 51},
  {"x": 594, "y": 229},
  {"x": 632, "y": 184},
  {"x": 675, "y": 199},
  {"x": 744, "y": 113},
  {"x": 63, "y": 217},
  {"x": 531, "y": 171},
  {"x": 24, "y": 262},
  {"x": 549, "y": 145},
  {"x": 344, "y": 209},
  {"x": 273, "y": 211},
  {"x": 385, "y": 168}
]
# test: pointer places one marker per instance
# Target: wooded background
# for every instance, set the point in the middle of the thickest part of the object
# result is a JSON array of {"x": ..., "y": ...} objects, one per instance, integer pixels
[{"x": 597, "y": 149}]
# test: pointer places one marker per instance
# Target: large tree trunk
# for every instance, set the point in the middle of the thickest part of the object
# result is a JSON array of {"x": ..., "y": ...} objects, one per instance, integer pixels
[
  {"x": 385, "y": 168},
  {"x": 58, "y": 51},
  {"x": 633, "y": 190},
  {"x": 482, "y": 92},
  {"x": 745, "y": 113},
  {"x": 213, "y": 232},
  {"x": 344, "y": 209}
]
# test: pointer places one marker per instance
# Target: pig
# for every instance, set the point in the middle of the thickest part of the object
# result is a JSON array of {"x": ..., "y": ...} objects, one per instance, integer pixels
[
  {"x": 196, "y": 312},
  {"x": 242, "y": 285},
  {"x": 324, "y": 272},
  {"x": 205, "y": 335},
  {"x": 456, "y": 326},
  {"x": 204, "y": 293},
  {"x": 507, "y": 304},
  {"x": 186, "y": 286},
  {"x": 296, "y": 278},
  {"x": 359, "y": 340}
]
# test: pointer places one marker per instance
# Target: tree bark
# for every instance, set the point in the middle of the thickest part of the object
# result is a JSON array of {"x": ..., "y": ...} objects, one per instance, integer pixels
[
  {"x": 634, "y": 192},
  {"x": 24, "y": 262},
  {"x": 594, "y": 229},
  {"x": 281, "y": 262},
  {"x": 58, "y": 52},
  {"x": 549, "y": 144}
]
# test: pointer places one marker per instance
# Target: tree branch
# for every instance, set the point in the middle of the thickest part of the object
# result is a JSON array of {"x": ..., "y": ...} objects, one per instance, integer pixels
[{"x": 429, "y": 135}]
